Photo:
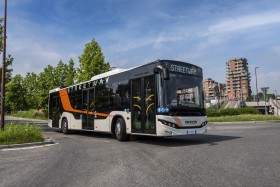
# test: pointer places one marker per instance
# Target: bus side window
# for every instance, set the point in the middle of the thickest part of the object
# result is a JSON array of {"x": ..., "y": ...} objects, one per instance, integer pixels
[
  {"x": 120, "y": 94},
  {"x": 76, "y": 99},
  {"x": 102, "y": 96},
  {"x": 125, "y": 99}
]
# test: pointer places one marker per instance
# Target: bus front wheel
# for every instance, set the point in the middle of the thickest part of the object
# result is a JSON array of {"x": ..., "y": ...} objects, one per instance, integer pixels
[
  {"x": 120, "y": 130},
  {"x": 64, "y": 126}
]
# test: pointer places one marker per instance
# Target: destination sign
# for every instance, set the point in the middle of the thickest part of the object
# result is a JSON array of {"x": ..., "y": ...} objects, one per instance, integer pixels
[{"x": 184, "y": 68}]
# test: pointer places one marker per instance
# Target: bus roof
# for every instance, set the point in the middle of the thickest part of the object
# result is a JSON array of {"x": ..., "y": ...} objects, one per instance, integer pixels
[
  {"x": 117, "y": 71},
  {"x": 108, "y": 73}
]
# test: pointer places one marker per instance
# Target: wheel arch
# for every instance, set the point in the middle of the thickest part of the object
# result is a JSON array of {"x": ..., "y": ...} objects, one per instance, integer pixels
[
  {"x": 113, "y": 123},
  {"x": 63, "y": 118}
]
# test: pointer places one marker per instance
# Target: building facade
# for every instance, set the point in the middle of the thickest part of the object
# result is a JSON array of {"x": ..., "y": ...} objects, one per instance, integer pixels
[
  {"x": 238, "y": 79},
  {"x": 213, "y": 88}
]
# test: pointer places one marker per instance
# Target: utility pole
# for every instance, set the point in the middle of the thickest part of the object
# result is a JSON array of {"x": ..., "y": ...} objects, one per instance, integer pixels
[
  {"x": 276, "y": 101},
  {"x": 3, "y": 68},
  {"x": 257, "y": 87}
]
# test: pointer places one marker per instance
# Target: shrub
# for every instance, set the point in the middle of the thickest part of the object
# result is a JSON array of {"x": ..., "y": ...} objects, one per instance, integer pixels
[
  {"x": 231, "y": 111},
  {"x": 20, "y": 133},
  {"x": 212, "y": 113},
  {"x": 33, "y": 114},
  {"x": 248, "y": 110}
]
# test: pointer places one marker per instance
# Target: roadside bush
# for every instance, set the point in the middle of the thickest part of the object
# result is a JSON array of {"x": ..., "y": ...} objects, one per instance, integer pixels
[
  {"x": 212, "y": 113},
  {"x": 33, "y": 114},
  {"x": 20, "y": 133},
  {"x": 231, "y": 111},
  {"x": 248, "y": 110}
]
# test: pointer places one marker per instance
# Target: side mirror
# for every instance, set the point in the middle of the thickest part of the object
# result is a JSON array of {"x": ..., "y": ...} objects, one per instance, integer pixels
[
  {"x": 165, "y": 73},
  {"x": 163, "y": 70}
]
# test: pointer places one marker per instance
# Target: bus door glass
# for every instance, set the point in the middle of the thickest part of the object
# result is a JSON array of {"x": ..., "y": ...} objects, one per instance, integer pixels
[
  {"x": 88, "y": 108},
  {"x": 143, "y": 105},
  {"x": 54, "y": 112}
]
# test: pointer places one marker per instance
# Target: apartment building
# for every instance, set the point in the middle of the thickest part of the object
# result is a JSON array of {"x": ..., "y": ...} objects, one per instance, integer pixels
[
  {"x": 213, "y": 88},
  {"x": 238, "y": 79}
]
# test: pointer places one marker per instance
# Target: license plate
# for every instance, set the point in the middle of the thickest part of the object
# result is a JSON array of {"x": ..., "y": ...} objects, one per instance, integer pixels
[{"x": 191, "y": 132}]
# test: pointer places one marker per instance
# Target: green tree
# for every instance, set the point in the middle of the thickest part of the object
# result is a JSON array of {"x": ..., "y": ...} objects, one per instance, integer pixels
[
  {"x": 59, "y": 73},
  {"x": 15, "y": 94},
  {"x": 64, "y": 74},
  {"x": 270, "y": 95},
  {"x": 53, "y": 77},
  {"x": 32, "y": 96},
  {"x": 91, "y": 62},
  {"x": 47, "y": 81},
  {"x": 8, "y": 70},
  {"x": 70, "y": 76},
  {"x": 261, "y": 96},
  {"x": 9, "y": 59}
]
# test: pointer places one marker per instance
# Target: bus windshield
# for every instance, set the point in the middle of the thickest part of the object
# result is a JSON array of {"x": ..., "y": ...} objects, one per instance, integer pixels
[{"x": 181, "y": 92}]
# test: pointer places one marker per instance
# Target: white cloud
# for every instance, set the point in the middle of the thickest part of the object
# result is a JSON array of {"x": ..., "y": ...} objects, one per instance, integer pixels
[
  {"x": 228, "y": 29},
  {"x": 268, "y": 79},
  {"x": 244, "y": 22},
  {"x": 170, "y": 37},
  {"x": 34, "y": 47},
  {"x": 31, "y": 56},
  {"x": 276, "y": 50}
]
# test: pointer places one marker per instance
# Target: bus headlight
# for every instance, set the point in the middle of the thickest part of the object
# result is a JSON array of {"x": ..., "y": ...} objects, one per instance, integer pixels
[
  {"x": 204, "y": 123},
  {"x": 170, "y": 124}
]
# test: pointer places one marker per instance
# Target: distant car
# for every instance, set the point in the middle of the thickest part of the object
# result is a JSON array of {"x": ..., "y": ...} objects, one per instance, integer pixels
[{"x": 278, "y": 97}]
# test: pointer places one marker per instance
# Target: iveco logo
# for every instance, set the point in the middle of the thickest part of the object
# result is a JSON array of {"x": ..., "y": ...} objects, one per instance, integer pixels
[{"x": 190, "y": 122}]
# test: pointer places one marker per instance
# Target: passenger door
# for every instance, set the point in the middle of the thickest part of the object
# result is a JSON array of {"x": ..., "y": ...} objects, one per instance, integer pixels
[
  {"x": 143, "y": 105},
  {"x": 88, "y": 106},
  {"x": 55, "y": 110}
]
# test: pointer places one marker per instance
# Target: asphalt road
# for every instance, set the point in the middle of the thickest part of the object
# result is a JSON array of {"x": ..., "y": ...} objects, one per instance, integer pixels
[{"x": 228, "y": 155}]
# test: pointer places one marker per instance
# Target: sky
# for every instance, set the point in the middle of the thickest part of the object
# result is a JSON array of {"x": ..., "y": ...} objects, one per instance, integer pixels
[{"x": 130, "y": 33}]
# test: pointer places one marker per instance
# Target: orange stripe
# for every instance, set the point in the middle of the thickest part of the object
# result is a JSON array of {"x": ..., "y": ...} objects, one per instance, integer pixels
[
  {"x": 178, "y": 121},
  {"x": 67, "y": 105}
]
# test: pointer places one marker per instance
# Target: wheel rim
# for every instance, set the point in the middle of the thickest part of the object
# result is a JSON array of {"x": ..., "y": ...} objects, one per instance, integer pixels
[
  {"x": 118, "y": 129},
  {"x": 64, "y": 126}
]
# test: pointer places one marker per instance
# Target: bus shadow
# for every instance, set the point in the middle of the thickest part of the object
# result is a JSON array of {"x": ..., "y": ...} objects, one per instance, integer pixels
[
  {"x": 187, "y": 140},
  {"x": 92, "y": 134},
  {"x": 176, "y": 141}
]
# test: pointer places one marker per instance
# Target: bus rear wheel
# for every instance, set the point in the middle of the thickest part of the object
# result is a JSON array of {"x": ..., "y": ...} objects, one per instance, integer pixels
[
  {"x": 120, "y": 130},
  {"x": 64, "y": 126}
]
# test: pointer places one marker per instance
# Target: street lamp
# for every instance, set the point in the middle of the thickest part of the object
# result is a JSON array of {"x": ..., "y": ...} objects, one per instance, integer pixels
[
  {"x": 257, "y": 87},
  {"x": 276, "y": 101}
]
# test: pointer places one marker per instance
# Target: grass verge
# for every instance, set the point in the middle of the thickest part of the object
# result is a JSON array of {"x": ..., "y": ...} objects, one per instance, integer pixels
[
  {"x": 32, "y": 114},
  {"x": 243, "y": 117},
  {"x": 20, "y": 133}
]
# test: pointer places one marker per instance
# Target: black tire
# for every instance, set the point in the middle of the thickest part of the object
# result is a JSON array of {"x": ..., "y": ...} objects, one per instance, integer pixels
[
  {"x": 64, "y": 126},
  {"x": 120, "y": 130}
]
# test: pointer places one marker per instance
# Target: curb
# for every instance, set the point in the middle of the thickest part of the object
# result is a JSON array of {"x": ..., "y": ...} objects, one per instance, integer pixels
[
  {"x": 239, "y": 122},
  {"x": 46, "y": 141}
]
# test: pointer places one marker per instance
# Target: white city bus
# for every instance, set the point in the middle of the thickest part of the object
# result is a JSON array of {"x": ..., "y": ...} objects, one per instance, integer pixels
[{"x": 161, "y": 98}]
